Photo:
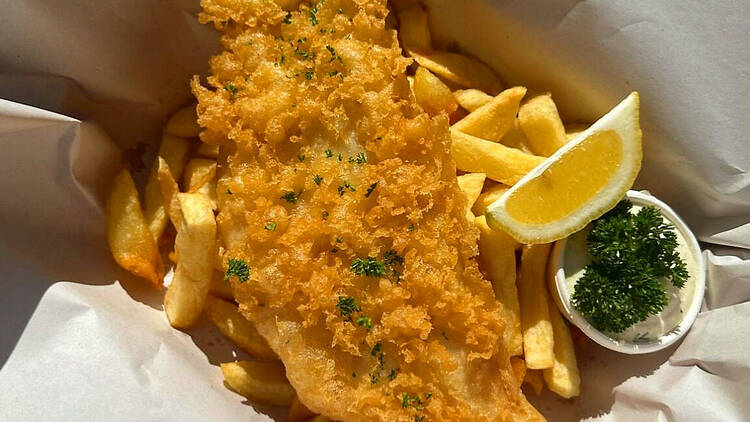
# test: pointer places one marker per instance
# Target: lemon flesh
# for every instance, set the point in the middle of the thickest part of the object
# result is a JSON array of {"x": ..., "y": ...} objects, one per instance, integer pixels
[{"x": 577, "y": 184}]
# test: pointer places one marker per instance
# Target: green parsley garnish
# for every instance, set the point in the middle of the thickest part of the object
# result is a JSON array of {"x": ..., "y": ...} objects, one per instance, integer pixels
[
  {"x": 318, "y": 179},
  {"x": 291, "y": 197},
  {"x": 393, "y": 373},
  {"x": 229, "y": 191},
  {"x": 630, "y": 256},
  {"x": 369, "y": 267},
  {"x": 360, "y": 158},
  {"x": 341, "y": 11},
  {"x": 231, "y": 88},
  {"x": 309, "y": 75},
  {"x": 237, "y": 268},
  {"x": 376, "y": 349},
  {"x": 364, "y": 321},
  {"x": 325, "y": 215},
  {"x": 344, "y": 187},
  {"x": 333, "y": 73},
  {"x": 287, "y": 19},
  {"x": 347, "y": 306},
  {"x": 392, "y": 258},
  {"x": 313, "y": 15},
  {"x": 329, "y": 153},
  {"x": 271, "y": 226},
  {"x": 341, "y": 157},
  {"x": 411, "y": 227},
  {"x": 301, "y": 158}
]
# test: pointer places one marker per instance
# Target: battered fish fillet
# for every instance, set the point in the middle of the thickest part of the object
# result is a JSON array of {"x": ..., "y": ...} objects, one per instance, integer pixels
[{"x": 339, "y": 192}]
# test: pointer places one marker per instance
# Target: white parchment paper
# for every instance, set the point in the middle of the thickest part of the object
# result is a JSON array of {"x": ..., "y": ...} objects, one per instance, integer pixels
[{"x": 79, "y": 78}]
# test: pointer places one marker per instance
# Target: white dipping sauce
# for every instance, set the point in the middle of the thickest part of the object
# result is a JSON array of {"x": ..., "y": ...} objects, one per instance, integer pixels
[{"x": 679, "y": 299}]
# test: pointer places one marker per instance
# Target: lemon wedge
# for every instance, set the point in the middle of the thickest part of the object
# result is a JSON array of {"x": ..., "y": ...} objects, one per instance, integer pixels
[{"x": 577, "y": 184}]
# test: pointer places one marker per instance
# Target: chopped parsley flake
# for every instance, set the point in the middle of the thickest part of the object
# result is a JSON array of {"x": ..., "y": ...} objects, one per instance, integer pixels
[
  {"x": 365, "y": 322},
  {"x": 325, "y": 215},
  {"x": 341, "y": 11},
  {"x": 288, "y": 18},
  {"x": 392, "y": 258},
  {"x": 344, "y": 187},
  {"x": 329, "y": 153},
  {"x": 318, "y": 179},
  {"x": 271, "y": 226},
  {"x": 231, "y": 88},
  {"x": 360, "y": 158},
  {"x": 369, "y": 267},
  {"x": 229, "y": 192},
  {"x": 411, "y": 227},
  {"x": 333, "y": 73},
  {"x": 237, "y": 268},
  {"x": 347, "y": 306},
  {"x": 309, "y": 74},
  {"x": 301, "y": 158},
  {"x": 339, "y": 239},
  {"x": 313, "y": 15},
  {"x": 393, "y": 373},
  {"x": 341, "y": 157},
  {"x": 376, "y": 349},
  {"x": 290, "y": 197},
  {"x": 370, "y": 189}
]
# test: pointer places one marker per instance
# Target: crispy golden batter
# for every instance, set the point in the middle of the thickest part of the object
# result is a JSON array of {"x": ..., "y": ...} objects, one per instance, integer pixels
[{"x": 321, "y": 137}]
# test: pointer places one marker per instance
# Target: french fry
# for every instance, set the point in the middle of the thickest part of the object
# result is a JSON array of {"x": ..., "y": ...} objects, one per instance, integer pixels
[
  {"x": 169, "y": 191},
  {"x": 490, "y": 195},
  {"x": 515, "y": 138},
  {"x": 261, "y": 382},
  {"x": 184, "y": 123},
  {"x": 519, "y": 367},
  {"x": 237, "y": 328},
  {"x": 174, "y": 150},
  {"x": 500, "y": 163},
  {"x": 563, "y": 378},
  {"x": 471, "y": 184},
  {"x": 195, "y": 249},
  {"x": 219, "y": 287},
  {"x": 200, "y": 176},
  {"x": 471, "y": 99},
  {"x": 573, "y": 129},
  {"x": 493, "y": 120},
  {"x": 432, "y": 94},
  {"x": 298, "y": 412},
  {"x": 497, "y": 256},
  {"x": 414, "y": 29},
  {"x": 461, "y": 70},
  {"x": 130, "y": 240},
  {"x": 208, "y": 150},
  {"x": 542, "y": 126},
  {"x": 534, "y": 379},
  {"x": 538, "y": 337}
]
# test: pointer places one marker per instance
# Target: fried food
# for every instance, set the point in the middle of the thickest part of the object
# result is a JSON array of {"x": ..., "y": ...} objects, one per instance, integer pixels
[{"x": 343, "y": 228}]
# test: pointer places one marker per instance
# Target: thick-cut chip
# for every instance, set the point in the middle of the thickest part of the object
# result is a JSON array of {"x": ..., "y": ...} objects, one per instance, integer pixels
[
  {"x": 573, "y": 129},
  {"x": 497, "y": 256},
  {"x": 184, "y": 123},
  {"x": 461, "y": 70},
  {"x": 130, "y": 239},
  {"x": 493, "y": 120},
  {"x": 260, "y": 382},
  {"x": 487, "y": 197},
  {"x": 500, "y": 163},
  {"x": 237, "y": 328},
  {"x": 432, "y": 94},
  {"x": 471, "y": 184},
  {"x": 471, "y": 99},
  {"x": 563, "y": 378},
  {"x": 515, "y": 138},
  {"x": 220, "y": 287},
  {"x": 542, "y": 126},
  {"x": 195, "y": 249},
  {"x": 208, "y": 150},
  {"x": 169, "y": 191},
  {"x": 200, "y": 176},
  {"x": 298, "y": 412},
  {"x": 538, "y": 337},
  {"x": 174, "y": 150},
  {"x": 414, "y": 29},
  {"x": 533, "y": 379}
]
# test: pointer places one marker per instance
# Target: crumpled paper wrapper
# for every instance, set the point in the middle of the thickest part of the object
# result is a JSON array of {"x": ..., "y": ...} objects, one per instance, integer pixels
[{"x": 79, "y": 81}]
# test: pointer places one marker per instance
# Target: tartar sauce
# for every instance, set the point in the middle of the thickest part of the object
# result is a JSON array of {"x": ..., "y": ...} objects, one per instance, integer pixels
[{"x": 655, "y": 326}]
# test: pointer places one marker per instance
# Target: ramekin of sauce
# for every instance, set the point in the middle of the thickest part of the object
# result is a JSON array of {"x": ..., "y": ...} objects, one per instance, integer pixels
[{"x": 567, "y": 265}]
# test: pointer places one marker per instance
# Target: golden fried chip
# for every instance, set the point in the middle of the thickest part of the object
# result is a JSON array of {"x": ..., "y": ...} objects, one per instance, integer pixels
[
  {"x": 260, "y": 382},
  {"x": 493, "y": 120},
  {"x": 538, "y": 337},
  {"x": 471, "y": 99},
  {"x": 563, "y": 378},
  {"x": 130, "y": 239},
  {"x": 500, "y": 163},
  {"x": 174, "y": 151},
  {"x": 184, "y": 123},
  {"x": 414, "y": 29},
  {"x": 459, "y": 69},
  {"x": 542, "y": 126},
  {"x": 237, "y": 328},
  {"x": 490, "y": 195},
  {"x": 432, "y": 94}
]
